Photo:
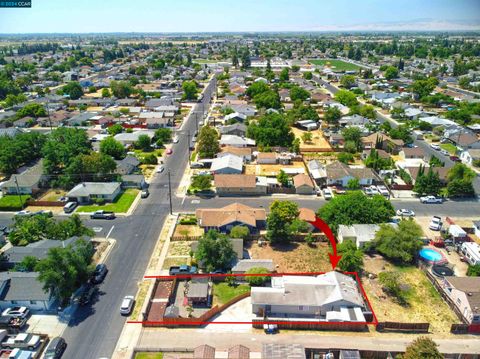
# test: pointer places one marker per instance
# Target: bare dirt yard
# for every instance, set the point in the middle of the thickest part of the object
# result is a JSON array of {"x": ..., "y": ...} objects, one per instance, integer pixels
[
  {"x": 293, "y": 257},
  {"x": 318, "y": 143},
  {"x": 424, "y": 303},
  {"x": 272, "y": 170}
]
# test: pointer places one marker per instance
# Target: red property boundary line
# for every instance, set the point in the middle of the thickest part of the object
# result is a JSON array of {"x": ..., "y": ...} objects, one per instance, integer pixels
[{"x": 198, "y": 323}]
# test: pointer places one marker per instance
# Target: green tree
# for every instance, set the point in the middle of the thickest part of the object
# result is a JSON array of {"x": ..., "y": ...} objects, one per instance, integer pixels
[
  {"x": 473, "y": 271},
  {"x": 307, "y": 137},
  {"x": 92, "y": 167},
  {"x": 298, "y": 93},
  {"x": 284, "y": 75},
  {"x": 332, "y": 115},
  {"x": 208, "y": 145},
  {"x": 422, "y": 347},
  {"x": 307, "y": 75},
  {"x": 201, "y": 182},
  {"x": 354, "y": 207},
  {"x": 27, "y": 264},
  {"x": 33, "y": 110},
  {"x": 368, "y": 111},
  {"x": 346, "y": 98},
  {"x": 149, "y": 159},
  {"x": 256, "y": 280},
  {"x": 144, "y": 143},
  {"x": 215, "y": 251},
  {"x": 271, "y": 130},
  {"x": 163, "y": 135},
  {"x": 115, "y": 129},
  {"x": 353, "y": 134},
  {"x": 268, "y": 99},
  {"x": 400, "y": 244},
  {"x": 73, "y": 90},
  {"x": 347, "y": 81},
  {"x": 189, "y": 90},
  {"x": 111, "y": 147},
  {"x": 391, "y": 73},
  {"x": 282, "y": 214},
  {"x": 106, "y": 93},
  {"x": 257, "y": 88},
  {"x": 240, "y": 232},
  {"x": 352, "y": 258},
  {"x": 64, "y": 270},
  {"x": 423, "y": 88},
  {"x": 353, "y": 184},
  {"x": 121, "y": 89},
  {"x": 283, "y": 178},
  {"x": 345, "y": 157},
  {"x": 427, "y": 183}
]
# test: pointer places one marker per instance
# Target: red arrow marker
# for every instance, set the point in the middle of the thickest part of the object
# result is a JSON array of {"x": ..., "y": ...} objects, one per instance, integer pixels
[{"x": 322, "y": 226}]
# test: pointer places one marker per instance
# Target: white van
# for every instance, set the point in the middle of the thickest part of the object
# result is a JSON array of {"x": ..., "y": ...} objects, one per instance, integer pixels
[{"x": 70, "y": 207}]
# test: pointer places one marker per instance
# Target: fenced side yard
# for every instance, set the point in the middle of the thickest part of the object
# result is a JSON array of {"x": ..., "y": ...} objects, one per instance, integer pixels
[{"x": 425, "y": 305}]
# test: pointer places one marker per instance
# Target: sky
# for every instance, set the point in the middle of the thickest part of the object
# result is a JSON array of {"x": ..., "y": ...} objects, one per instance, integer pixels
[{"x": 84, "y": 16}]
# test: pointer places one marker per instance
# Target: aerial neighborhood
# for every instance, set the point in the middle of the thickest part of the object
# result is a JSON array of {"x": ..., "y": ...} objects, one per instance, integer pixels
[{"x": 154, "y": 184}]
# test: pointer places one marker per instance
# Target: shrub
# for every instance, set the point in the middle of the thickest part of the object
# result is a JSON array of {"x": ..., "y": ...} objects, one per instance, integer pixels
[
  {"x": 256, "y": 281},
  {"x": 188, "y": 221}
]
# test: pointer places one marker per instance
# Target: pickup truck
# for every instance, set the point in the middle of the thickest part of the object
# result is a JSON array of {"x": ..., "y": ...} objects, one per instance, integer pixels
[
  {"x": 435, "y": 223},
  {"x": 431, "y": 199},
  {"x": 183, "y": 269},
  {"x": 102, "y": 215},
  {"x": 22, "y": 340}
]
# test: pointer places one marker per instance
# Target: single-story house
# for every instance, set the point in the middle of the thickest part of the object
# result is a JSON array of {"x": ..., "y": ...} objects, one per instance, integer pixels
[
  {"x": 317, "y": 171},
  {"x": 415, "y": 152},
  {"x": 27, "y": 182},
  {"x": 303, "y": 184},
  {"x": 266, "y": 158},
  {"x": 329, "y": 297},
  {"x": 228, "y": 164},
  {"x": 469, "y": 156},
  {"x": 244, "y": 152},
  {"x": 85, "y": 192},
  {"x": 15, "y": 254},
  {"x": 236, "y": 141},
  {"x": 386, "y": 142},
  {"x": 465, "y": 140},
  {"x": 128, "y": 139},
  {"x": 234, "y": 185},
  {"x": 237, "y": 129},
  {"x": 353, "y": 120},
  {"x": 244, "y": 265},
  {"x": 127, "y": 166},
  {"x": 441, "y": 171},
  {"x": 465, "y": 295},
  {"x": 134, "y": 181},
  {"x": 339, "y": 174},
  {"x": 239, "y": 117},
  {"x": 225, "y": 218},
  {"x": 357, "y": 233},
  {"x": 24, "y": 289}
]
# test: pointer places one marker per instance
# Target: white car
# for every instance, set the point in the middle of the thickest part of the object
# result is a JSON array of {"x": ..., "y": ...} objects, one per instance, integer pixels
[
  {"x": 435, "y": 147},
  {"x": 127, "y": 305},
  {"x": 368, "y": 191},
  {"x": 435, "y": 223},
  {"x": 445, "y": 152},
  {"x": 327, "y": 194},
  {"x": 19, "y": 312},
  {"x": 405, "y": 213},
  {"x": 24, "y": 213},
  {"x": 431, "y": 199},
  {"x": 160, "y": 169},
  {"x": 175, "y": 139}
]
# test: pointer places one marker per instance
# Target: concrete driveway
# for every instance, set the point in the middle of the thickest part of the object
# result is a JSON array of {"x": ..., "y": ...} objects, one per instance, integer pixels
[
  {"x": 46, "y": 324},
  {"x": 238, "y": 312}
]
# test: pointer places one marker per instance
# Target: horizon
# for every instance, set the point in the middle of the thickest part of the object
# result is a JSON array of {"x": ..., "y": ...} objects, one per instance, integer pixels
[{"x": 215, "y": 16}]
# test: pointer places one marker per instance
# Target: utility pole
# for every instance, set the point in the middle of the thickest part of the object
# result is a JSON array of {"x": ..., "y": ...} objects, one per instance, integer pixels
[
  {"x": 169, "y": 191},
  {"x": 49, "y": 119},
  {"x": 18, "y": 191},
  {"x": 188, "y": 145}
]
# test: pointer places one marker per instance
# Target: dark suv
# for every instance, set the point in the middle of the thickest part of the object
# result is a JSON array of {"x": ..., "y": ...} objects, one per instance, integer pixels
[
  {"x": 55, "y": 348},
  {"x": 99, "y": 274}
]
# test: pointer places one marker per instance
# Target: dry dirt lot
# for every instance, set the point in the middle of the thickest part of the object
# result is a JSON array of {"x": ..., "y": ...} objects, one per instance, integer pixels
[
  {"x": 293, "y": 257},
  {"x": 318, "y": 143},
  {"x": 271, "y": 170},
  {"x": 424, "y": 303},
  {"x": 184, "y": 230}
]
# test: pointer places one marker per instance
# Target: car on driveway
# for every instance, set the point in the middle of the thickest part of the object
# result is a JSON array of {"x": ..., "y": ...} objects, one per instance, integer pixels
[
  {"x": 169, "y": 151},
  {"x": 431, "y": 199},
  {"x": 327, "y": 194},
  {"x": 405, "y": 212},
  {"x": 183, "y": 269},
  {"x": 435, "y": 147},
  {"x": 127, "y": 305},
  {"x": 17, "y": 312},
  {"x": 144, "y": 193},
  {"x": 435, "y": 223},
  {"x": 102, "y": 215},
  {"x": 99, "y": 274}
]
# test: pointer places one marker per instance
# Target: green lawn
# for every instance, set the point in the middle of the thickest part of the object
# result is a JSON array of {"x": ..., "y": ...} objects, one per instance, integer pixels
[
  {"x": 121, "y": 205},
  {"x": 12, "y": 202},
  {"x": 145, "y": 355},
  {"x": 336, "y": 64},
  {"x": 204, "y": 61},
  {"x": 224, "y": 292},
  {"x": 449, "y": 147}
]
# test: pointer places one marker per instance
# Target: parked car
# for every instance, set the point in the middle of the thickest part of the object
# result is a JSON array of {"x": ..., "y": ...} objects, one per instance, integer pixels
[
  {"x": 87, "y": 295},
  {"x": 405, "y": 213},
  {"x": 431, "y": 199},
  {"x": 175, "y": 139},
  {"x": 102, "y": 215},
  {"x": 127, "y": 305},
  {"x": 368, "y": 191},
  {"x": 194, "y": 139},
  {"x": 435, "y": 147},
  {"x": 20, "y": 312},
  {"x": 327, "y": 194},
  {"x": 183, "y": 269},
  {"x": 145, "y": 193},
  {"x": 160, "y": 169},
  {"x": 43, "y": 211},
  {"x": 24, "y": 213},
  {"x": 70, "y": 207},
  {"x": 445, "y": 152},
  {"x": 435, "y": 223},
  {"x": 455, "y": 159},
  {"x": 383, "y": 191},
  {"x": 169, "y": 151},
  {"x": 196, "y": 165},
  {"x": 22, "y": 340},
  {"x": 99, "y": 274},
  {"x": 55, "y": 348}
]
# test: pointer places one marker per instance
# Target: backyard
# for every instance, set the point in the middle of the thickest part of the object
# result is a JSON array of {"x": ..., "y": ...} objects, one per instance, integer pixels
[
  {"x": 13, "y": 202},
  {"x": 424, "y": 303},
  {"x": 294, "y": 257},
  {"x": 336, "y": 64},
  {"x": 121, "y": 204},
  {"x": 273, "y": 169},
  {"x": 222, "y": 292},
  {"x": 317, "y": 144},
  {"x": 53, "y": 195}
]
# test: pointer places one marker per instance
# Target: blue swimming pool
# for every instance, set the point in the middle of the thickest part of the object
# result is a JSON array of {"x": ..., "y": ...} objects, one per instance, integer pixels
[{"x": 430, "y": 255}]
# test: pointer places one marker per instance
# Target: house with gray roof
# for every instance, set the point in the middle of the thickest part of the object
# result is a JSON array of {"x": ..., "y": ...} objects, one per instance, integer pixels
[
  {"x": 81, "y": 118},
  {"x": 228, "y": 164},
  {"x": 127, "y": 166},
  {"x": 329, "y": 297},
  {"x": 10, "y": 131},
  {"x": 24, "y": 289},
  {"x": 86, "y": 192},
  {"x": 243, "y": 265},
  {"x": 27, "y": 182},
  {"x": 237, "y": 129},
  {"x": 128, "y": 139}
]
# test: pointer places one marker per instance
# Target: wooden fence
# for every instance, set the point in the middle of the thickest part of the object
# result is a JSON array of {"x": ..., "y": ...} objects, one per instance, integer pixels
[
  {"x": 32, "y": 202},
  {"x": 298, "y": 324},
  {"x": 403, "y": 327},
  {"x": 184, "y": 238},
  {"x": 401, "y": 187}
]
